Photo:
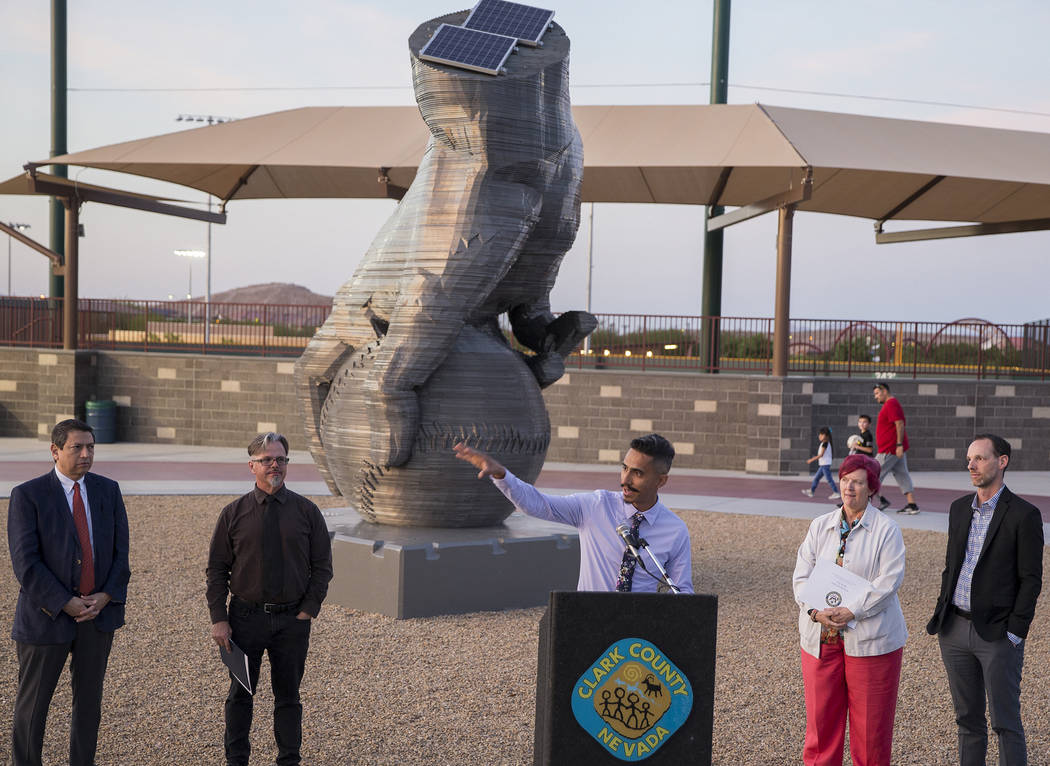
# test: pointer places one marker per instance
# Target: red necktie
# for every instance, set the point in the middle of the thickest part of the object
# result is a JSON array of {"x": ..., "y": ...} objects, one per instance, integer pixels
[{"x": 87, "y": 567}]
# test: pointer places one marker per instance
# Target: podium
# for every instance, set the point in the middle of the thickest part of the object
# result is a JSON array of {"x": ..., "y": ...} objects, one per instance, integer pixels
[{"x": 626, "y": 677}]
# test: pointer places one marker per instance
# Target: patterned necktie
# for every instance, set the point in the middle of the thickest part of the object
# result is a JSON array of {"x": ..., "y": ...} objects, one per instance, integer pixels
[
  {"x": 87, "y": 558},
  {"x": 623, "y": 584},
  {"x": 273, "y": 556}
]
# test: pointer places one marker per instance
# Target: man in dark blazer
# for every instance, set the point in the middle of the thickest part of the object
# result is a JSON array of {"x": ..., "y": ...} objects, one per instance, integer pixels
[
  {"x": 992, "y": 577},
  {"x": 68, "y": 535}
]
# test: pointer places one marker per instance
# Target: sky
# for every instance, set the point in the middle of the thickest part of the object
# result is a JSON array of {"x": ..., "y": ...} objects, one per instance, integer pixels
[{"x": 133, "y": 67}]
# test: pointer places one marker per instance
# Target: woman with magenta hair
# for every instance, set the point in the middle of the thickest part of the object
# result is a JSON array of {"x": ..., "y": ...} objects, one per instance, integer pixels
[{"x": 851, "y": 653}]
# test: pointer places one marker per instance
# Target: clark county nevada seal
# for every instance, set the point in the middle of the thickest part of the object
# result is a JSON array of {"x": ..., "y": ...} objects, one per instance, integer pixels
[{"x": 631, "y": 699}]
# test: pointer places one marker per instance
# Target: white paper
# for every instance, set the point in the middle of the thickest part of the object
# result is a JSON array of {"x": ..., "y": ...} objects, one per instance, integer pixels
[{"x": 830, "y": 585}]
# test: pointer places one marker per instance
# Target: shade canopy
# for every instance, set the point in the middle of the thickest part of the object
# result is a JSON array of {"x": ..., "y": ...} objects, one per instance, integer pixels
[
  {"x": 731, "y": 155},
  {"x": 23, "y": 184}
]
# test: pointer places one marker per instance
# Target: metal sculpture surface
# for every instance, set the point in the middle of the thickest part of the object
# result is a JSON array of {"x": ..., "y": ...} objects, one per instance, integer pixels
[{"x": 412, "y": 359}]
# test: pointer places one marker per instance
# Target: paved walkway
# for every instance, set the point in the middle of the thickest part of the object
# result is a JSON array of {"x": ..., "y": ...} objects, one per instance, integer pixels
[{"x": 163, "y": 469}]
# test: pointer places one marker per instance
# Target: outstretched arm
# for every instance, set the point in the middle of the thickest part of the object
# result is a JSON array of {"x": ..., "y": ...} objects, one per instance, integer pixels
[{"x": 565, "y": 509}]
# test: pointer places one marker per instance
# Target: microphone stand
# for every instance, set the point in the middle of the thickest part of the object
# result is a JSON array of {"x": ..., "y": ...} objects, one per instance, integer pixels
[
  {"x": 641, "y": 543},
  {"x": 633, "y": 544}
]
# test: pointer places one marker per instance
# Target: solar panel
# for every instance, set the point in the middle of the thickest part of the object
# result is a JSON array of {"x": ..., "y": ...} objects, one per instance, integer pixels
[
  {"x": 468, "y": 49},
  {"x": 512, "y": 19}
]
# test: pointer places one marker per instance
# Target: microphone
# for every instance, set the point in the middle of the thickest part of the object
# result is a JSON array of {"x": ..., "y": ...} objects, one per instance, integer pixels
[{"x": 631, "y": 541}]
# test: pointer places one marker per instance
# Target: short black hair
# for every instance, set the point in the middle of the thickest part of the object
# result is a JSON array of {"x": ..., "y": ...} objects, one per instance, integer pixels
[
  {"x": 62, "y": 429},
  {"x": 260, "y": 442},
  {"x": 884, "y": 386},
  {"x": 1000, "y": 446},
  {"x": 656, "y": 447},
  {"x": 864, "y": 417}
]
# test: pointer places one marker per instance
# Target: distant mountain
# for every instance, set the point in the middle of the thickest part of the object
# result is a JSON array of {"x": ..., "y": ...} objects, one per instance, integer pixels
[
  {"x": 274, "y": 303},
  {"x": 273, "y": 293}
]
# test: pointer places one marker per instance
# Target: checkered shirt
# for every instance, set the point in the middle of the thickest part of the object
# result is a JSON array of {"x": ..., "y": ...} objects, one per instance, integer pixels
[{"x": 982, "y": 519}]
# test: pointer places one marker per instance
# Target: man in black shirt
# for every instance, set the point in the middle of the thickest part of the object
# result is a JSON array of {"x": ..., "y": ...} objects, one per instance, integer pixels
[{"x": 271, "y": 551}]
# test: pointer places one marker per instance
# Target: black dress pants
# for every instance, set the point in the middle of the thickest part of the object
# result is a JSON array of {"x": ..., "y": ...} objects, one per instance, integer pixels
[
  {"x": 285, "y": 640},
  {"x": 39, "y": 668}
]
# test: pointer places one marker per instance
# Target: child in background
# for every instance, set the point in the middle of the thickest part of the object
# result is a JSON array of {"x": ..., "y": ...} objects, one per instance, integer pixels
[
  {"x": 862, "y": 443},
  {"x": 823, "y": 458}
]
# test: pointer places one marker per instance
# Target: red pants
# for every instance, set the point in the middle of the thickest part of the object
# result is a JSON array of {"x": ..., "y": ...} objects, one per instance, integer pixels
[{"x": 866, "y": 688}]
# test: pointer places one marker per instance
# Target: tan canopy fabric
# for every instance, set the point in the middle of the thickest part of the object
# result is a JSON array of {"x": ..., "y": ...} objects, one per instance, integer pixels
[
  {"x": 730, "y": 155},
  {"x": 313, "y": 152}
]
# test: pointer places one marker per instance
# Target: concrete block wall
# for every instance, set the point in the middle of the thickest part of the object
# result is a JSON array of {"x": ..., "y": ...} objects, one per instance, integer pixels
[
  {"x": 735, "y": 422},
  {"x": 196, "y": 399},
  {"x": 942, "y": 417},
  {"x": 766, "y": 412},
  {"x": 20, "y": 377},
  {"x": 769, "y": 425},
  {"x": 714, "y": 421},
  {"x": 38, "y": 388}
]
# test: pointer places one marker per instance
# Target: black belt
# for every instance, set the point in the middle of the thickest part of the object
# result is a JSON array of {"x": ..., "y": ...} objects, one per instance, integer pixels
[
  {"x": 962, "y": 612},
  {"x": 269, "y": 608}
]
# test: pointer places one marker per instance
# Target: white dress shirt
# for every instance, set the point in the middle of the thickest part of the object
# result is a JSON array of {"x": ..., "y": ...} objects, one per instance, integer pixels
[
  {"x": 875, "y": 551},
  {"x": 67, "y": 486}
]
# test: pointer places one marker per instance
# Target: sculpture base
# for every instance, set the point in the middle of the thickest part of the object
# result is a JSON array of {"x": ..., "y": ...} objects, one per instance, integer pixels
[{"x": 424, "y": 571}]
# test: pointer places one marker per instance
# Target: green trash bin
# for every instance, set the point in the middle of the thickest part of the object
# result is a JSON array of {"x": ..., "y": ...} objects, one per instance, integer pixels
[{"x": 102, "y": 417}]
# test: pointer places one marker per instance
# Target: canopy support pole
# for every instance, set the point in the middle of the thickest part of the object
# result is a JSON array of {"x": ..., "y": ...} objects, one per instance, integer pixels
[
  {"x": 70, "y": 274},
  {"x": 782, "y": 310}
]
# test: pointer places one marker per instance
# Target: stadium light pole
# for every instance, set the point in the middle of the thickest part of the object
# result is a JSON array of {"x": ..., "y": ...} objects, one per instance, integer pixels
[
  {"x": 189, "y": 294},
  {"x": 16, "y": 227},
  {"x": 210, "y": 119}
]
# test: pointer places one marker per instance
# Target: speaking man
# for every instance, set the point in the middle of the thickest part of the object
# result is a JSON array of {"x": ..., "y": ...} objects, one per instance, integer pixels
[
  {"x": 606, "y": 563},
  {"x": 68, "y": 535},
  {"x": 992, "y": 577},
  {"x": 272, "y": 552}
]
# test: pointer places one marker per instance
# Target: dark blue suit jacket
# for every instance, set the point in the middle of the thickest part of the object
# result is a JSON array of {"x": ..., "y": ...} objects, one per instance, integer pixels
[{"x": 46, "y": 555}]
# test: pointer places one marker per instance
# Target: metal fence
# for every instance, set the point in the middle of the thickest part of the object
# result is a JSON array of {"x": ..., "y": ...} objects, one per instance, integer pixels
[
  {"x": 234, "y": 328},
  {"x": 842, "y": 347}
]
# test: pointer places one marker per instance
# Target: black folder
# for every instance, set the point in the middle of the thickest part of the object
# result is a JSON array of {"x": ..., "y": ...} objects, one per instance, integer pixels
[{"x": 237, "y": 661}]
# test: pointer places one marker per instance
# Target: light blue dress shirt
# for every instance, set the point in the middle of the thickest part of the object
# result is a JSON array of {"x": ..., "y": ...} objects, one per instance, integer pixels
[{"x": 596, "y": 516}]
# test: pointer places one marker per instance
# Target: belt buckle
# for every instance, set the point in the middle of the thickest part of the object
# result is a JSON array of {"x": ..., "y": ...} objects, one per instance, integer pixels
[{"x": 270, "y": 608}]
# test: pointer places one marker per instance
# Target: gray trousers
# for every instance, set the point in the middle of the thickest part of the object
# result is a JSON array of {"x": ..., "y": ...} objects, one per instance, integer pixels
[
  {"x": 39, "y": 668},
  {"x": 977, "y": 668},
  {"x": 898, "y": 467}
]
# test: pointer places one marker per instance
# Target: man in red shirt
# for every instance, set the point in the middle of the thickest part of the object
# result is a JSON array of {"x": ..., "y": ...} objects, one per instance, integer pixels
[{"x": 891, "y": 442}]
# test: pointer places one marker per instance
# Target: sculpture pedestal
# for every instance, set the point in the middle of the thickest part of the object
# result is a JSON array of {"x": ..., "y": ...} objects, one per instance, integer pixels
[{"x": 424, "y": 571}]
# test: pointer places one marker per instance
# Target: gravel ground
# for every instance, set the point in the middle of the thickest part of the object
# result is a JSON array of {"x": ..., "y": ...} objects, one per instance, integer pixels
[{"x": 460, "y": 690}]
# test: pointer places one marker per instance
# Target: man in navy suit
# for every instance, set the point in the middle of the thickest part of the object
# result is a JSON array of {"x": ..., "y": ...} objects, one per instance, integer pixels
[
  {"x": 68, "y": 535},
  {"x": 992, "y": 577}
]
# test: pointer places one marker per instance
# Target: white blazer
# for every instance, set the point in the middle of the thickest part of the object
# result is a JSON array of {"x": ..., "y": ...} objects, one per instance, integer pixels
[{"x": 875, "y": 551}]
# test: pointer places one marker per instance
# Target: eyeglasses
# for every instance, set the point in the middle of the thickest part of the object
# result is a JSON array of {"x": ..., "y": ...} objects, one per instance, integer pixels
[{"x": 268, "y": 461}]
